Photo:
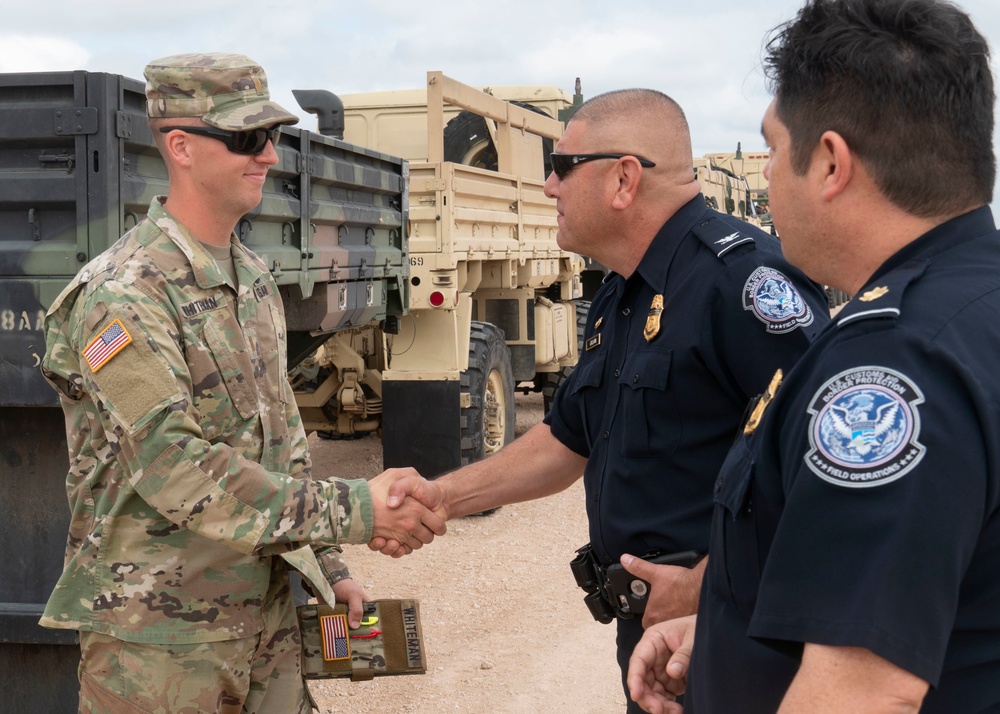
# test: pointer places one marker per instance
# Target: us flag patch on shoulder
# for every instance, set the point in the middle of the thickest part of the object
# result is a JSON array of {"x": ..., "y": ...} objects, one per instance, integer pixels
[
  {"x": 336, "y": 646},
  {"x": 112, "y": 340}
]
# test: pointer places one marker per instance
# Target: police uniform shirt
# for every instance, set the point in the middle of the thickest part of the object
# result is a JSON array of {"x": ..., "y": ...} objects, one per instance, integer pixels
[
  {"x": 865, "y": 510},
  {"x": 188, "y": 461},
  {"x": 655, "y": 417}
]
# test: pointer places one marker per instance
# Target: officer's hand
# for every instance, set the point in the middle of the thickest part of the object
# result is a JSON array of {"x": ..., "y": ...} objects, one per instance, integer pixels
[
  {"x": 673, "y": 590},
  {"x": 352, "y": 595},
  {"x": 398, "y": 518},
  {"x": 657, "y": 670},
  {"x": 411, "y": 485}
]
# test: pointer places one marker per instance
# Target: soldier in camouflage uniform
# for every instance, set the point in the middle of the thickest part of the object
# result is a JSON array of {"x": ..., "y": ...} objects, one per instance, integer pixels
[{"x": 189, "y": 468}]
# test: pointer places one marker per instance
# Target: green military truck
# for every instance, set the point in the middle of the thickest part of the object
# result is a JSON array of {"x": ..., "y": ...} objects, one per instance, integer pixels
[{"x": 78, "y": 168}]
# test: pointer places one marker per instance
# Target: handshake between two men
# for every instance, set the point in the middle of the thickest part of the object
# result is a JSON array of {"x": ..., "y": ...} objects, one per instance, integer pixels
[{"x": 408, "y": 511}]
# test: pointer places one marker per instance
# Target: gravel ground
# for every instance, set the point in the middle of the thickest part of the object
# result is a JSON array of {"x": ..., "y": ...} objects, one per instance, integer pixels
[{"x": 504, "y": 623}]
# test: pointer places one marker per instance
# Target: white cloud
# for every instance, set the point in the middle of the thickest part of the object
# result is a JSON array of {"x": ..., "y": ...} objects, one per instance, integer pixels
[{"x": 40, "y": 53}]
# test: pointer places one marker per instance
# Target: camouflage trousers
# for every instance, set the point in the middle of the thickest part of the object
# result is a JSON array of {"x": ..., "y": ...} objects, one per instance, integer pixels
[{"x": 260, "y": 674}]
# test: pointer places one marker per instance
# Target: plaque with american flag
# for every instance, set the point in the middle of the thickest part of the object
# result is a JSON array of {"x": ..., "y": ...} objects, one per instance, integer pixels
[
  {"x": 336, "y": 645},
  {"x": 112, "y": 340}
]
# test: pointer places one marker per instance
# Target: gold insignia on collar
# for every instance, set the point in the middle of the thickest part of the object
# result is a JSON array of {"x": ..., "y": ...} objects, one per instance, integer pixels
[
  {"x": 874, "y": 294},
  {"x": 598, "y": 323},
  {"x": 653, "y": 319},
  {"x": 762, "y": 403}
]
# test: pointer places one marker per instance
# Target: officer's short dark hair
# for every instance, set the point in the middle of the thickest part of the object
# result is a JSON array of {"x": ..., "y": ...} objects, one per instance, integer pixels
[{"x": 907, "y": 83}]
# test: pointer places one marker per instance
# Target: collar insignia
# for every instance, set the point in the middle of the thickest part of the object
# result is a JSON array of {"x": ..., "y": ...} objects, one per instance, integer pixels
[{"x": 874, "y": 294}]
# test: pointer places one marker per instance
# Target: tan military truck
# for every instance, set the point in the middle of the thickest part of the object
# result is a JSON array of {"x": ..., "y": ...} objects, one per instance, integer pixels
[
  {"x": 739, "y": 182},
  {"x": 727, "y": 189},
  {"x": 491, "y": 295},
  {"x": 748, "y": 164}
]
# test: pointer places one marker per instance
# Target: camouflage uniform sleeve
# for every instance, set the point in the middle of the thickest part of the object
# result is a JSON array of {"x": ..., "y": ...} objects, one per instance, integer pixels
[
  {"x": 332, "y": 563},
  {"x": 301, "y": 463},
  {"x": 144, "y": 396}
]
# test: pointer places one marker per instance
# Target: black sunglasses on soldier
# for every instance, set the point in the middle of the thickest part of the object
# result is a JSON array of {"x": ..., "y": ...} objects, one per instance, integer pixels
[
  {"x": 562, "y": 164},
  {"x": 251, "y": 142}
]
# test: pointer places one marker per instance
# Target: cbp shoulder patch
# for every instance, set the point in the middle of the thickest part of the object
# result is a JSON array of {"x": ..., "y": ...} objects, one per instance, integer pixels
[
  {"x": 775, "y": 301},
  {"x": 864, "y": 428},
  {"x": 112, "y": 340}
]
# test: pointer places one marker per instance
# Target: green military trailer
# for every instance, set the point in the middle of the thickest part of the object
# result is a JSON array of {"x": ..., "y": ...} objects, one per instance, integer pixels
[{"x": 78, "y": 168}]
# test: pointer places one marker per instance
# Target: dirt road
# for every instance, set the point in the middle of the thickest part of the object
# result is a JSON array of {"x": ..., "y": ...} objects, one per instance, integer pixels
[{"x": 505, "y": 625}]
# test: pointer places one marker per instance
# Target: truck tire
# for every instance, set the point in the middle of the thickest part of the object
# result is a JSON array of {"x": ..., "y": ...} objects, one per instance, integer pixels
[
  {"x": 466, "y": 141},
  {"x": 551, "y": 381},
  {"x": 488, "y": 423}
]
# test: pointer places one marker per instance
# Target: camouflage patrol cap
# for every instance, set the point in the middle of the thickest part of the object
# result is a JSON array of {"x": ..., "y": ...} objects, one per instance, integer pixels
[{"x": 227, "y": 91}]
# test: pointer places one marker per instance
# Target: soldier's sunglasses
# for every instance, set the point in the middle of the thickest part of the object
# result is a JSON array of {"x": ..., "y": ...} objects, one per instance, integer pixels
[
  {"x": 252, "y": 142},
  {"x": 562, "y": 164}
]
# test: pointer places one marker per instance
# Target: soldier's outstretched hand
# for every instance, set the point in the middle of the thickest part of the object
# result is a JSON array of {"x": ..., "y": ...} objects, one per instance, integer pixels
[
  {"x": 408, "y": 485},
  {"x": 657, "y": 671},
  {"x": 400, "y": 518}
]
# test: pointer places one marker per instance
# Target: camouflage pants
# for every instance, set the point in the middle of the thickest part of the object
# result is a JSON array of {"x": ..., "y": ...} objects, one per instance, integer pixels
[{"x": 254, "y": 674}]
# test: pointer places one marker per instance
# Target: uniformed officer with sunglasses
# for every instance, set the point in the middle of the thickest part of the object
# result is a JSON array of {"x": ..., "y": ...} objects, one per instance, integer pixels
[
  {"x": 189, "y": 467},
  {"x": 698, "y": 312}
]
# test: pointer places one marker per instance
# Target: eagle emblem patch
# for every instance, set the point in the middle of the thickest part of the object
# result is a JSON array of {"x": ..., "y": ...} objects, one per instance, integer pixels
[
  {"x": 865, "y": 427},
  {"x": 774, "y": 301}
]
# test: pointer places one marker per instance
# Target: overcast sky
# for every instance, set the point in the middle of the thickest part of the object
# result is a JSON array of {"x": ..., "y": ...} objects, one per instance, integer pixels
[{"x": 704, "y": 54}]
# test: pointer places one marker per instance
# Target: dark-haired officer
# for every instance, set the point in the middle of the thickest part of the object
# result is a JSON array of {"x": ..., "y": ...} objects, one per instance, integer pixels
[{"x": 855, "y": 554}]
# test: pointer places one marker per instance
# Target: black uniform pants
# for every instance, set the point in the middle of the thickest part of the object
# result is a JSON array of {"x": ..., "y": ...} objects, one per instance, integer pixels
[{"x": 629, "y": 634}]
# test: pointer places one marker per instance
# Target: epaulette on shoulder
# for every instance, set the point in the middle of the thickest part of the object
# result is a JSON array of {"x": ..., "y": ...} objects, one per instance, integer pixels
[
  {"x": 721, "y": 237},
  {"x": 881, "y": 298}
]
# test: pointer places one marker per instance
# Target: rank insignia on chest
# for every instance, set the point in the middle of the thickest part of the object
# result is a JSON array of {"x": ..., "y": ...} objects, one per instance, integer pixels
[
  {"x": 598, "y": 323},
  {"x": 112, "y": 340},
  {"x": 336, "y": 645},
  {"x": 652, "y": 328},
  {"x": 592, "y": 342}
]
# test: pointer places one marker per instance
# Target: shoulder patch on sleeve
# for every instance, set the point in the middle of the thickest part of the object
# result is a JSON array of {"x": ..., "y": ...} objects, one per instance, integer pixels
[
  {"x": 721, "y": 237},
  {"x": 108, "y": 343},
  {"x": 773, "y": 299},
  {"x": 864, "y": 428},
  {"x": 136, "y": 383}
]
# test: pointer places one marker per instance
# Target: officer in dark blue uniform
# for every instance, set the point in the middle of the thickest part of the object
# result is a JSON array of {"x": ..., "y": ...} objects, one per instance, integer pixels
[
  {"x": 672, "y": 356},
  {"x": 699, "y": 311},
  {"x": 855, "y": 551}
]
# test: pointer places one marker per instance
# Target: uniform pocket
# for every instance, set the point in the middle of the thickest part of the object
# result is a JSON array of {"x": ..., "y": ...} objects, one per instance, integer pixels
[
  {"x": 734, "y": 561},
  {"x": 652, "y": 427},
  {"x": 223, "y": 410},
  {"x": 587, "y": 379}
]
